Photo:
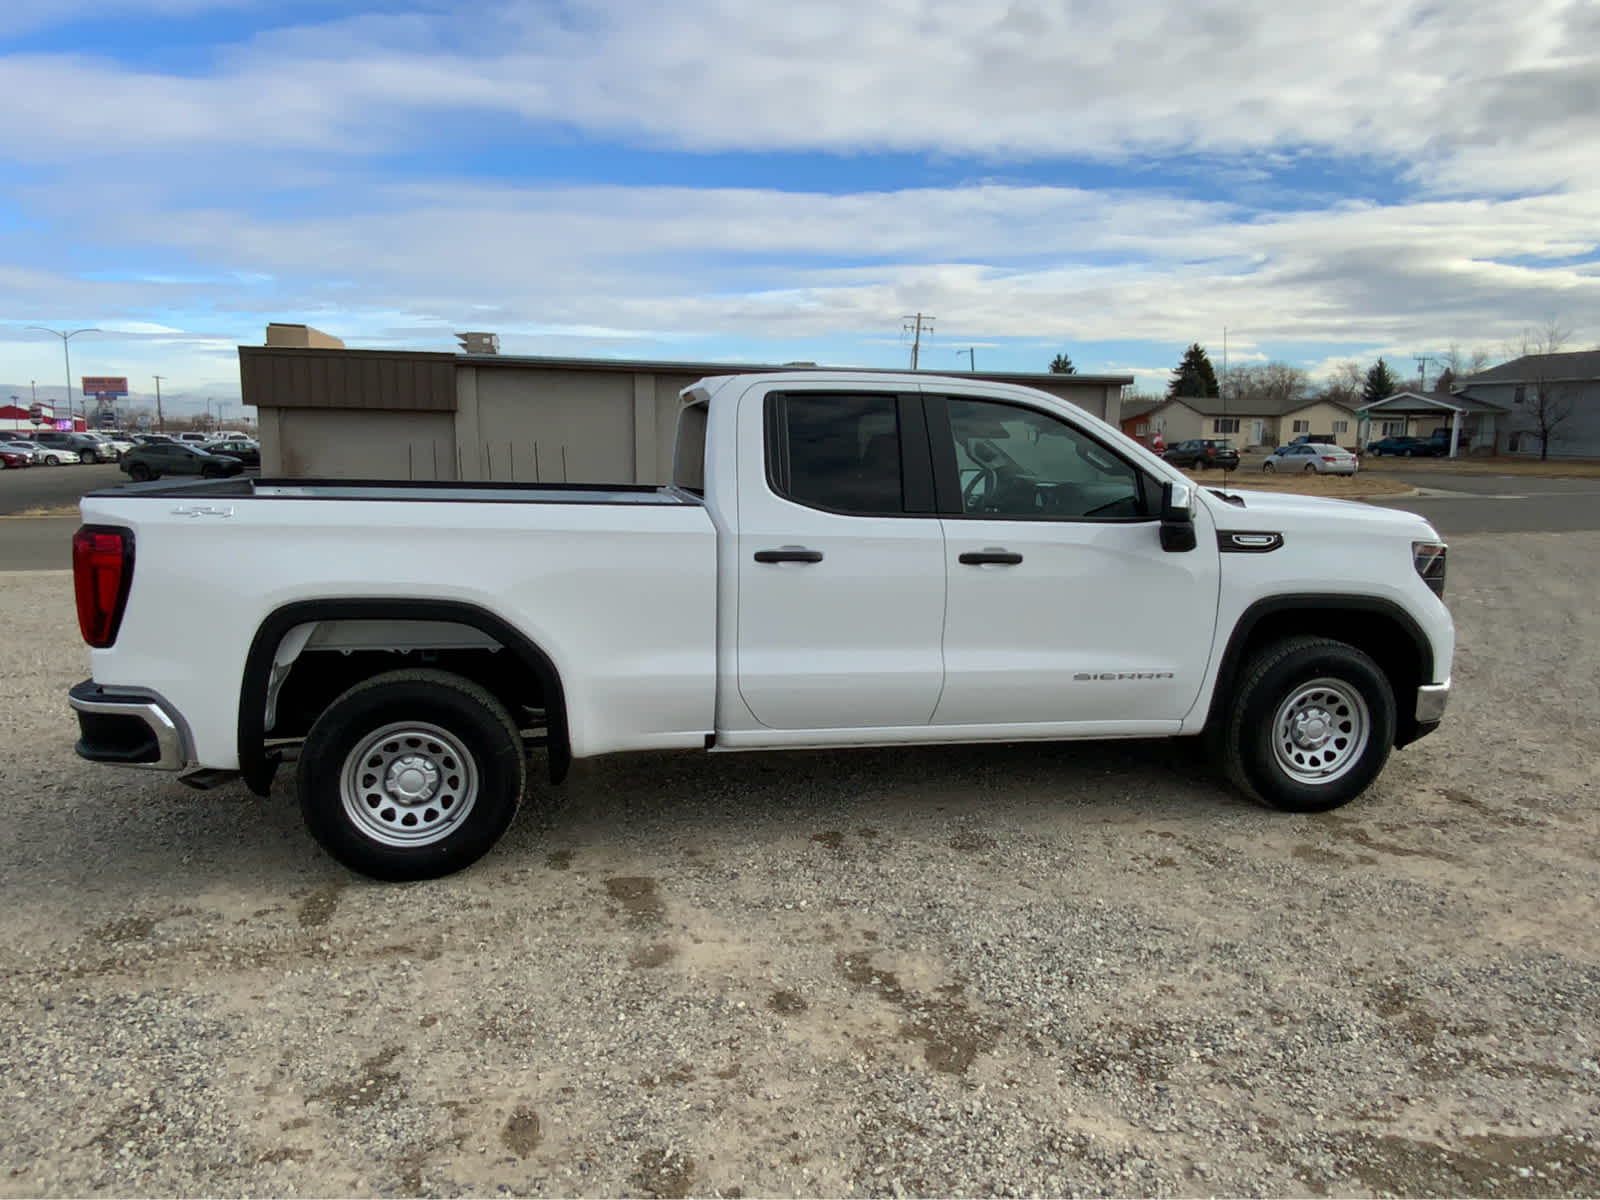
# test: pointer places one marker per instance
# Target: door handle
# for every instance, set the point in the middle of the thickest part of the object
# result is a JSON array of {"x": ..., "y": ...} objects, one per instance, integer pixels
[
  {"x": 797, "y": 554},
  {"x": 978, "y": 558}
]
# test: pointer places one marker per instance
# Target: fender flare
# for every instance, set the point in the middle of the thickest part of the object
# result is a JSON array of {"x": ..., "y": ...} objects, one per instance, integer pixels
[{"x": 257, "y": 765}]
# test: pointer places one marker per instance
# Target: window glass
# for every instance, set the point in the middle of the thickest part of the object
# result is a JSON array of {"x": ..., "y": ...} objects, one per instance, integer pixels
[
  {"x": 840, "y": 452},
  {"x": 1014, "y": 462}
]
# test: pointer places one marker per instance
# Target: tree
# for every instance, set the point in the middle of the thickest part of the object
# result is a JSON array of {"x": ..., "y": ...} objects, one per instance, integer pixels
[
  {"x": 1458, "y": 362},
  {"x": 1344, "y": 383},
  {"x": 1446, "y": 381},
  {"x": 1061, "y": 364},
  {"x": 1546, "y": 402},
  {"x": 1379, "y": 385},
  {"x": 1193, "y": 376},
  {"x": 1264, "y": 385}
]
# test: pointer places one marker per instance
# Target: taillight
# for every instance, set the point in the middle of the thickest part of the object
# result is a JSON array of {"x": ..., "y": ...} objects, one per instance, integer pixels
[
  {"x": 1429, "y": 560},
  {"x": 1329, "y": 458},
  {"x": 102, "y": 570}
]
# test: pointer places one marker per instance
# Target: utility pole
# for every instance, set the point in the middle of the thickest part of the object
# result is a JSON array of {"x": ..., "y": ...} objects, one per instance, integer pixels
[
  {"x": 914, "y": 325},
  {"x": 972, "y": 357},
  {"x": 161, "y": 421},
  {"x": 65, "y": 338}
]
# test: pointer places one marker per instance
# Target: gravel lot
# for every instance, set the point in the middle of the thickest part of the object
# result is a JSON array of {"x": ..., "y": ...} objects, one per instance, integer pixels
[{"x": 1007, "y": 969}]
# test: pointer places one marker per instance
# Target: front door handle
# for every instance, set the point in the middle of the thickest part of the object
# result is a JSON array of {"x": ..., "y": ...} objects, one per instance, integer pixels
[
  {"x": 785, "y": 554},
  {"x": 978, "y": 558}
]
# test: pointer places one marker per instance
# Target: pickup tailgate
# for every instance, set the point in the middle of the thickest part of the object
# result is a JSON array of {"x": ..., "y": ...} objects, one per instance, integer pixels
[{"x": 617, "y": 588}]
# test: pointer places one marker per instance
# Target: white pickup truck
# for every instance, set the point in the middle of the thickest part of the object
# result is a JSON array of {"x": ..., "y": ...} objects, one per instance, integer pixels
[{"x": 842, "y": 559}]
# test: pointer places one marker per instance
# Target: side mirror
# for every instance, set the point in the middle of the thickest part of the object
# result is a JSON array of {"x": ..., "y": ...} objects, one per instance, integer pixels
[{"x": 1177, "y": 518}]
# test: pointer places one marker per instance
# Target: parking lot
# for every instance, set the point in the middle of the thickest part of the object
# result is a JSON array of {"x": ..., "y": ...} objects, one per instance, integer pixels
[{"x": 1065, "y": 969}]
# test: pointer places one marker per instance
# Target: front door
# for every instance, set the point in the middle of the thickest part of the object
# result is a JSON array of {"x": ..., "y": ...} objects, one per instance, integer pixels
[
  {"x": 840, "y": 562},
  {"x": 1061, "y": 605}
]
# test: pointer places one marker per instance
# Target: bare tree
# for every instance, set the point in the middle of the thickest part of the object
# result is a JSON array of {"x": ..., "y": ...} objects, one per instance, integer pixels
[
  {"x": 1465, "y": 362},
  {"x": 1344, "y": 383},
  {"x": 1546, "y": 401},
  {"x": 1271, "y": 383}
]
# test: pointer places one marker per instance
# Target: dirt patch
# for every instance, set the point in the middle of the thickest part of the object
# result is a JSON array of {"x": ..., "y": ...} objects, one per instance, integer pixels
[
  {"x": 1340, "y": 487},
  {"x": 831, "y": 838},
  {"x": 369, "y": 1086},
  {"x": 785, "y": 1001},
  {"x": 559, "y": 860},
  {"x": 1491, "y": 1166},
  {"x": 639, "y": 896},
  {"x": 657, "y": 955},
  {"x": 1350, "y": 830},
  {"x": 521, "y": 1134},
  {"x": 664, "y": 1174},
  {"x": 951, "y": 1036},
  {"x": 55, "y": 510},
  {"x": 318, "y": 908},
  {"x": 971, "y": 841},
  {"x": 127, "y": 929}
]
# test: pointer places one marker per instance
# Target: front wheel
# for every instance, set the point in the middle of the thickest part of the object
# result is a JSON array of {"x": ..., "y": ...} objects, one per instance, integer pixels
[
  {"x": 50, "y": 460},
  {"x": 411, "y": 775},
  {"x": 1269, "y": 468},
  {"x": 1311, "y": 468},
  {"x": 1311, "y": 725}
]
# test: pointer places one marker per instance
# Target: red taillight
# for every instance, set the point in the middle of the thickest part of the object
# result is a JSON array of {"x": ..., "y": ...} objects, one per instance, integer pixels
[
  {"x": 1329, "y": 458},
  {"x": 102, "y": 569}
]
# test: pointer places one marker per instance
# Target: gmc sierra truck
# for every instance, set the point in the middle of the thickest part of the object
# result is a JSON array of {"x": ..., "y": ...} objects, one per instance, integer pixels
[{"x": 842, "y": 559}]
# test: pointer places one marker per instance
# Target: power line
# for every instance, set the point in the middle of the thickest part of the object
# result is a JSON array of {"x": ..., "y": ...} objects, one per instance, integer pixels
[{"x": 914, "y": 324}]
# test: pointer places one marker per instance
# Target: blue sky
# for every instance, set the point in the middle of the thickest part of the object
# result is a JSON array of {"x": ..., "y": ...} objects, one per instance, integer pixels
[{"x": 724, "y": 180}]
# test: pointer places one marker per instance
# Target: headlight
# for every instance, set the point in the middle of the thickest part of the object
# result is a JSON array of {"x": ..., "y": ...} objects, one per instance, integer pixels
[{"x": 1429, "y": 560}]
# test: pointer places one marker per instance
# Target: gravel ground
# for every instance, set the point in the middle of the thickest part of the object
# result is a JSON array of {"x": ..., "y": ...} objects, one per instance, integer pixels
[{"x": 1011, "y": 970}]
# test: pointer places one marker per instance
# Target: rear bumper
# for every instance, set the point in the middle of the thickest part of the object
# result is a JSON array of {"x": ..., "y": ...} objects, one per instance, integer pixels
[{"x": 128, "y": 728}]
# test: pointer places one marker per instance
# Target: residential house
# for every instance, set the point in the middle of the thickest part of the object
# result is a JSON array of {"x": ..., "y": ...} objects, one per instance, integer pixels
[
  {"x": 1566, "y": 386},
  {"x": 1474, "y": 424},
  {"x": 1251, "y": 424}
]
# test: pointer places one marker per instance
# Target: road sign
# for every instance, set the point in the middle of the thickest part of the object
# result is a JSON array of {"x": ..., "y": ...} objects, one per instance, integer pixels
[
  {"x": 36, "y": 413},
  {"x": 105, "y": 385}
]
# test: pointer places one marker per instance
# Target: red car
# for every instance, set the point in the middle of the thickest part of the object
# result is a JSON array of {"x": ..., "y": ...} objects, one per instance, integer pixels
[{"x": 13, "y": 458}]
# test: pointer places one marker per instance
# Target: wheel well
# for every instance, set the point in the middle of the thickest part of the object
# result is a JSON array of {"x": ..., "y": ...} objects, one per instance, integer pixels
[
  {"x": 1379, "y": 629},
  {"x": 498, "y": 658}
]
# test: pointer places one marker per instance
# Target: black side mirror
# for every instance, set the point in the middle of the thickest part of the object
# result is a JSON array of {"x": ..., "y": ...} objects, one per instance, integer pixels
[{"x": 1177, "y": 518}]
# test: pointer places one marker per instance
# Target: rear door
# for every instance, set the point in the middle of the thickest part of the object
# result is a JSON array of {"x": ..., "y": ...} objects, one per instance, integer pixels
[
  {"x": 1062, "y": 606},
  {"x": 841, "y": 569}
]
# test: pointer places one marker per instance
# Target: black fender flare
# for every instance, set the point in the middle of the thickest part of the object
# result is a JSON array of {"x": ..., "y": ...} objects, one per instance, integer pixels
[
  {"x": 1331, "y": 603},
  {"x": 257, "y": 765}
]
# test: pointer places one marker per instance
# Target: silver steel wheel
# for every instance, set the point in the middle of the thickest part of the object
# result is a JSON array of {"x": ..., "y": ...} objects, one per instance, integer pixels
[
  {"x": 408, "y": 784},
  {"x": 1320, "y": 732}
]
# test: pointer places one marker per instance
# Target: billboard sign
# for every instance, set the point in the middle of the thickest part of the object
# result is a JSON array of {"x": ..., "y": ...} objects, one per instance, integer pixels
[{"x": 105, "y": 385}]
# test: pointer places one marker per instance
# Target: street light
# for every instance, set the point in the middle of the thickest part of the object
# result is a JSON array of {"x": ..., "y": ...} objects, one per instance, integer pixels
[{"x": 65, "y": 338}]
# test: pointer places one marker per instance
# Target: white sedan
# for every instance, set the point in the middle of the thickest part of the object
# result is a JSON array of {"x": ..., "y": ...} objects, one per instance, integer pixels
[{"x": 1304, "y": 456}]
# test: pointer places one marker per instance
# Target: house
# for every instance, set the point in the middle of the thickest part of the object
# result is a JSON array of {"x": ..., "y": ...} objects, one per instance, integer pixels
[
  {"x": 1251, "y": 423},
  {"x": 1475, "y": 424},
  {"x": 1563, "y": 388}
]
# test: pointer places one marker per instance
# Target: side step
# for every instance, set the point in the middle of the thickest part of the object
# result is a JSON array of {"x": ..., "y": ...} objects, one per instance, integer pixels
[{"x": 207, "y": 778}]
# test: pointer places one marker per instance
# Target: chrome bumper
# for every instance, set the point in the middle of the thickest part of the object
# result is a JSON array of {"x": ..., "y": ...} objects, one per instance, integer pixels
[
  {"x": 1431, "y": 701},
  {"x": 128, "y": 729}
]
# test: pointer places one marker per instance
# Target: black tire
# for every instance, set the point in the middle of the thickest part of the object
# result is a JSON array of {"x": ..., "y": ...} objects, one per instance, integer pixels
[
  {"x": 1269, "y": 468},
  {"x": 139, "y": 472},
  {"x": 1251, "y": 753},
  {"x": 50, "y": 460},
  {"x": 1310, "y": 469},
  {"x": 460, "y": 734},
  {"x": 1405, "y": 454}
]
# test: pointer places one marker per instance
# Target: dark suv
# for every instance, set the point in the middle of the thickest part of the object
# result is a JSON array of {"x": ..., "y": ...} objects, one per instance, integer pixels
[
  {"x": 170, "y": 458},
  {"x": 1200, "y": 453}
]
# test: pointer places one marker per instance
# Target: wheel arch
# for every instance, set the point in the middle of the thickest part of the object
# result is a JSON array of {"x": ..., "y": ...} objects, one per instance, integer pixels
[
  {"x": 1375, "y": 625},
  {"x": 257, "y": 765}
]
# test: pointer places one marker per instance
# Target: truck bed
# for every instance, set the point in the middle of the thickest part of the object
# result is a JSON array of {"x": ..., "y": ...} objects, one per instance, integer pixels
[{"x": 242, "y": 488}]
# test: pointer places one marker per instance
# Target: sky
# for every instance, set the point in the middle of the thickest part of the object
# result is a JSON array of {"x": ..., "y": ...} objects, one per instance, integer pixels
[{"x": 732, "y": 181}]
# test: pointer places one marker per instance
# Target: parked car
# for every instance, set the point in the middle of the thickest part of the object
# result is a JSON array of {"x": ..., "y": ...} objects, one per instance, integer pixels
[
  {"x": 18, "y": 445},
  {"x": 1312, "y": 459},
  {"x": 247, "y": 452},
  {"x": 840, "y": 560},
  {"x": 88, "y": 447},
  {"x": 146, "y": 439},
  {"x": 14, "y": 459},
  {"x": 1404, "y": 447},
  {"x": 171, "y": 458},
  {"x": 191, "y": 438},
  {"x": 53, "y": 456},
  {"x": 1200, "y": 453}
]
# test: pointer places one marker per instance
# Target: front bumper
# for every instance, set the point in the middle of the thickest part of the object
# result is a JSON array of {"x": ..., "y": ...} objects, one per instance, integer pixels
[
  {"x": 129, "y": 728},
  {"x": 1431, "y": 701}
]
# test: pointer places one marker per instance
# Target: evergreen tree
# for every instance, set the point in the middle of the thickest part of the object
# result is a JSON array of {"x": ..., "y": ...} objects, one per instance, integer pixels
[
  {"x": 1061, "y": 364},
  {"x": 1194, "y": 376},
  {"x": 1380, "y": 383}
]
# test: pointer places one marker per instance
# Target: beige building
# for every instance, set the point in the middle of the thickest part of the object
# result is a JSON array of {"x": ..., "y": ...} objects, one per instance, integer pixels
[
  {"x": 1193, "y": 417},
  {"x": 381, "y": 414}
]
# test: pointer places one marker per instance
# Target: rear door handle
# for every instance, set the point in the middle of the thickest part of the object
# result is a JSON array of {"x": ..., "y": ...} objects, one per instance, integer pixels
[
  {"x": 785, "y": 554},
  {"x": 978, "y": 558}
]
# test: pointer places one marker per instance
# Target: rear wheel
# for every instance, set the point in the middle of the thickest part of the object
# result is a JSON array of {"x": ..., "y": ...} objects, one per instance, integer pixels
[
  {"x": 411, "y": 775},
  {"x": 1311, "y": 468},
  {"x": 1270, "y": 468},
  {"x": 1310, "y": 727},
  {"x": 139, "y": 472}
]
